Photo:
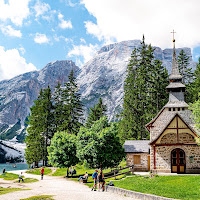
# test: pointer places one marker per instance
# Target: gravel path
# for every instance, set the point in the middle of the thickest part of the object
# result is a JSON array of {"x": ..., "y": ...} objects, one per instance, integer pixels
[{"x": 61, "y": 188}]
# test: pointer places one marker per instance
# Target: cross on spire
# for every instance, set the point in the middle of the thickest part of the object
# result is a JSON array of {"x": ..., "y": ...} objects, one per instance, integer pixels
[{"x": 173, "y": 35}]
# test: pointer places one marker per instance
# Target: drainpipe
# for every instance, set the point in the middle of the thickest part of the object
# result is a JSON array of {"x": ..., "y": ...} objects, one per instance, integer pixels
[{"x": 154, "y": 156}]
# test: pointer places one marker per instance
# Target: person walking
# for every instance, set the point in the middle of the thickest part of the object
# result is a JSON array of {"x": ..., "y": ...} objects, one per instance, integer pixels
[
  {"x": 42, "y": 173},
  {"x": 101, "y": 180},
  {"x": 94, "y": 176},
  {"x": 20, "y": 177},
  {"x": 4, "y": 172}
]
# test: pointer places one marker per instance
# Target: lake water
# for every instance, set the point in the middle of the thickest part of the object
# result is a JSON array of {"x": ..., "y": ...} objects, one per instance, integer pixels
[{"x": 9, "y": 167}]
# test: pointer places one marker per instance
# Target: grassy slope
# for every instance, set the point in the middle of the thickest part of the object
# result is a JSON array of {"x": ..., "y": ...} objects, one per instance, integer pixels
[
  {"x": 7, "y": 190},
  {"x": 36, "y": 171},
  {"x": 28, "y": 180},
  {"x": 80, "y": 170},
  {"x": 42, "y": 197},
  {"x": 179, "y": 187},
  {"x": 9, "y": 176}
]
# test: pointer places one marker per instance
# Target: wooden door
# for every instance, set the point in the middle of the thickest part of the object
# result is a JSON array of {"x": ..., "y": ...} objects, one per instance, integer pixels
[
  {"x": 148, "y": 163},
  {"x": 178, "y": 161}
]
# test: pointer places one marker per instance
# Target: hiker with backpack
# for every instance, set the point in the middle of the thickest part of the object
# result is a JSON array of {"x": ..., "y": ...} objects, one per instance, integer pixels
[{"x": 94, "y": 176}]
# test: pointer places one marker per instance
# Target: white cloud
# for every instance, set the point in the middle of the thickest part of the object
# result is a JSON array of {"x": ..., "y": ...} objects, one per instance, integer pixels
[
  {"x": 94, "y": 30},
  {"x": 8, "y": 30},
  {"x": 41, "y": 38},
  {"x": 155, "y": 19},
  {"x": 12, "y": 64},
  {"x": 22, "y": 50},
  {"x": 41, "y": 8},
  {"x": 63, "y": 23},
  {"x": 83, "y": 40},
  {"x": 70, "y": 3},
  {"x": 15, "y": 10},
  {"x": 87, "y": 52}
]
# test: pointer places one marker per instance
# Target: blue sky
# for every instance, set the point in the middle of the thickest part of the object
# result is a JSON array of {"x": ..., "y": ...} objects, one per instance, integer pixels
[{"x": 35, "y": 32}]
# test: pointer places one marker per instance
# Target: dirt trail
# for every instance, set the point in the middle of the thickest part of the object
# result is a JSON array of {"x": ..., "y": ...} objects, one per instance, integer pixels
[{"x": 61, "y": 188}]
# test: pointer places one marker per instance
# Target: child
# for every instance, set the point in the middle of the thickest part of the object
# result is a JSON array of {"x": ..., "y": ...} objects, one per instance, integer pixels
[
  {"x": 20, "y": 177},
  {"x": 42, "y": 173}
]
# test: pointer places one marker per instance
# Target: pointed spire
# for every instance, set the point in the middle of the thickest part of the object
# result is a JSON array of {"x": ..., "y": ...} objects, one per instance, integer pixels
[{"x": 175, "y": 74}]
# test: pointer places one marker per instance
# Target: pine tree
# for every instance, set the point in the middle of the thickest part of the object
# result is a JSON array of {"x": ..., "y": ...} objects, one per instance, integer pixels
[
  {"x": 144, "y": 92},
  {"x": 58, "y": 107},
  {"x": 34, "y": 139},
  {"x": 185, "y": 70},
  {"x": 41, "y": 127},
  {"x": 72, "y": 106},
  {"x": 95, "y": 113},
  {"x": 194, "y": 87},
  {"x": 48, "y": 120}
]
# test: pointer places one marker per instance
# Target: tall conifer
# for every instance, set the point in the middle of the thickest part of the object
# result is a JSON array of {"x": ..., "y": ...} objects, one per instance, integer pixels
[
  {"x": 194, "y": 87},
  {"x": 41, "y": 127},
  {"x": 72, "y": 106},
  {"x": 95, "y": 113},
  {"x": 144, "y": 92}
]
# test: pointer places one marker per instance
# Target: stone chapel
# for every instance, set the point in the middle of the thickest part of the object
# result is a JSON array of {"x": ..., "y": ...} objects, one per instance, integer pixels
[{"x": 173, "y": 147}]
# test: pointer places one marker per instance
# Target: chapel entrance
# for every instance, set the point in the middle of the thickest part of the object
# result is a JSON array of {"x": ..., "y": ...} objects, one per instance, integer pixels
[{"x": 178, "y": 161}]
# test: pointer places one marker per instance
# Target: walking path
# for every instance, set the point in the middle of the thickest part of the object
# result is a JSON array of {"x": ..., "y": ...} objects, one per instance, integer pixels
[{"x": 61, "y": 188}]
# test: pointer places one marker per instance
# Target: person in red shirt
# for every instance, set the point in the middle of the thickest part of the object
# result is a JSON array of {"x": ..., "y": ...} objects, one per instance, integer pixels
[{"x": 42, "y": 173}]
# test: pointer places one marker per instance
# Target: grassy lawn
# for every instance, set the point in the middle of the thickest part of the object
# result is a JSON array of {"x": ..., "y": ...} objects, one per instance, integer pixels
[
  {"x": 9, "y": 176},
  {"x": 36, "y": 171},
  {"x": 28, "y": 180},
  {"x": 178, "y": 187},
  {"x": 7, "y": 190},
  {"x": 42, "y": 197},
  {"x": 80, "y": 170}
]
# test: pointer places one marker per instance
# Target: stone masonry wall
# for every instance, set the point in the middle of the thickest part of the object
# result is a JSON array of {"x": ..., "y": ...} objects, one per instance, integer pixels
[
  {"x": 186, "y": 138},
  {"x": 163, "y": 157},
  {"x": 143, "y": 166},
  {"x": 171, "y": 138}
]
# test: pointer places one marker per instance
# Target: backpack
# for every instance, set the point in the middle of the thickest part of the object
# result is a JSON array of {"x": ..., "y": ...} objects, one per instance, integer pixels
[{"x": 111, "y": 184}]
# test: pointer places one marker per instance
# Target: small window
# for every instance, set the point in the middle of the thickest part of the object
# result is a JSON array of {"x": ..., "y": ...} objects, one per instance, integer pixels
[
  {"x": 136, "y": 159},
  {"x": 173, "y": 109},
  {"x": 169, "y": 109},
  {"x": 179, "y": 109},
  {"x": 183, "y": 108}
]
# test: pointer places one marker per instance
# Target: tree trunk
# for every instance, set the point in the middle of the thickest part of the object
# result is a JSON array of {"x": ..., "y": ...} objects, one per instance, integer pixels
[
  {"x": 36, "y": 164},
  {"x": 67, "y": 172}
]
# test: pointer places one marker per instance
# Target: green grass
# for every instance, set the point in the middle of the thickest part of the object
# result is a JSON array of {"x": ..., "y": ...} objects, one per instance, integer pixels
[
  {"x": 41, "y": 197},
  {"x": 28, "y": 180},
  {"x": 37, "y": 171},
  {"x": 9, "y": 176},
  {"x": 7, "y": 190},
  {"x": 178, "y": 187},
  {"x": 80, "y": 170}
]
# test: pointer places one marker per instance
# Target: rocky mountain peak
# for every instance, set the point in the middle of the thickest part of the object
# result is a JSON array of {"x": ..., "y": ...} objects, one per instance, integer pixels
[{"x": 17, "y": 95}]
